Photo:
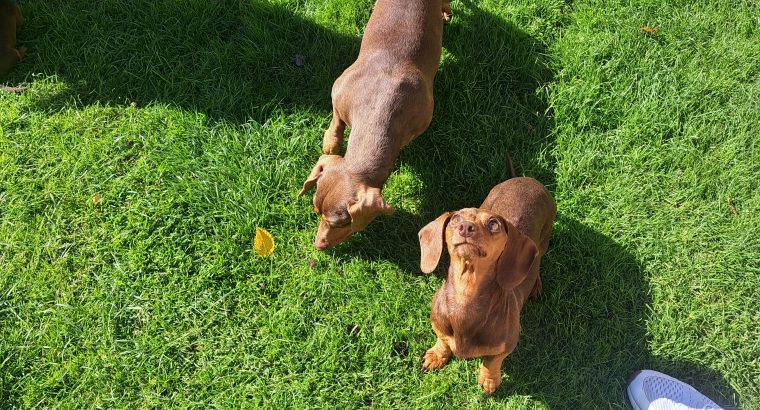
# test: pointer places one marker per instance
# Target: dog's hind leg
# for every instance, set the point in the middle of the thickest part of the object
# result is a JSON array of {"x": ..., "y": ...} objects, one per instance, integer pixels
[{"x": 538, "y": 288}]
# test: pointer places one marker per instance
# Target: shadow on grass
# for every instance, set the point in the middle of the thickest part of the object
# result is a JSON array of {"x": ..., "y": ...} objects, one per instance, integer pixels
[
  {"x": 488, "y": 101},
  {"x": 586, "y": 334},
  {"x": 231, "y": 60}
]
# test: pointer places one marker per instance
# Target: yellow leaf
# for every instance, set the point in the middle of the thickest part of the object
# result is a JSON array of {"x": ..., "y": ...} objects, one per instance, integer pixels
[
  {"x": 650, "y": 30},
  {"x": 263, "y": 242},
  {"x": 96, "y": 199}
]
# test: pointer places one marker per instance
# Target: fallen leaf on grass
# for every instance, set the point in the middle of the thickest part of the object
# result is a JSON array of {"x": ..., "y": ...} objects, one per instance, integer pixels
[
  {"x": 650, "y": 30},
  {"x": 96, "y": 199},
  {"x": 263, "y": 243}
]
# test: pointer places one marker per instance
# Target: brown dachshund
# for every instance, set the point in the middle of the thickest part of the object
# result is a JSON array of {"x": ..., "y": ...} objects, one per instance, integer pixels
[
  {"x": 495, "y": 253},
  {"x": 386, "y": 97},
  {"x": 10, "y": 24}
]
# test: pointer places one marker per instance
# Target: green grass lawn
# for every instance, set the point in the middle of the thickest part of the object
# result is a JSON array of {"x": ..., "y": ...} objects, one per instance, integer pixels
[{"x": 193, "y": 125}]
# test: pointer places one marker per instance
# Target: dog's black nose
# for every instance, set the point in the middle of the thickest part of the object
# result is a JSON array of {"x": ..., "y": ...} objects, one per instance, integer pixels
[{"x": 466, "y": 229}]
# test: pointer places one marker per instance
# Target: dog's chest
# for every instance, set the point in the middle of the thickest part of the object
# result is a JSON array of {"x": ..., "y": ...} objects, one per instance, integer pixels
[{"x": 476, "y": 326}]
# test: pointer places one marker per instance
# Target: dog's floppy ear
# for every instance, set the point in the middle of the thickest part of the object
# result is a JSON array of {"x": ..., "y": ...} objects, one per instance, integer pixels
[
  {"x": 367, "y": 205},
  {"x": 516, "y": 259},
  {"x": 431, "y": 242},
  {"x": 317, "y": 171}
]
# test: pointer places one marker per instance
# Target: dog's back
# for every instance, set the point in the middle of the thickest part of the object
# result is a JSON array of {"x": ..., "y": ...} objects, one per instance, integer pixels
[
  {"x": 527, "y": 205},
  {"x": 408, "y": 30},
  {"x": 388, "y": 91}
]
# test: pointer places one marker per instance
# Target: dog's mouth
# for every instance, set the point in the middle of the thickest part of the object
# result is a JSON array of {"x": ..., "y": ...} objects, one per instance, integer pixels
[
  {"x": 468, "y": 250},
  {"x": 327, "y": 237}
]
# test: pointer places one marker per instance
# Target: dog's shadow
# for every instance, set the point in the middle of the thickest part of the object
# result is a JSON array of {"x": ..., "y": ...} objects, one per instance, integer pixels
[
  {"x": 584, "y": 337},
  {"x": 490, "y": 100},
  {"x": 230, "y": 60}
]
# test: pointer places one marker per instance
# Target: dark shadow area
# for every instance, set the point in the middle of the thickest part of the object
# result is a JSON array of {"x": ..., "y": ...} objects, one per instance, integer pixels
[
  {"x": 229, "y": 59},
  {"x": 488, "y": 102},
  {"x": 391, "y": 238},
  {"x": 586, "y": 334}
]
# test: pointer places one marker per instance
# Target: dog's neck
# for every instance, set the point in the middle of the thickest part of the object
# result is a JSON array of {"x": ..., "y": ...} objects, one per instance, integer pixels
[
  {"x": 470, "y": 278},
  {"x": 371, "y": 158},
  {"x": 474, "y": 298}
]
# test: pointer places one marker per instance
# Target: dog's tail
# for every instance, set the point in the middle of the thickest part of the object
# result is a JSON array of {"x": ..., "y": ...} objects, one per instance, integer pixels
[{"x": 510, "y": 166}]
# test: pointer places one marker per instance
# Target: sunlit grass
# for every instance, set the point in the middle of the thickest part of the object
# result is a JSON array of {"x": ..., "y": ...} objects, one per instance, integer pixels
[{"x": 192, "y": 124}]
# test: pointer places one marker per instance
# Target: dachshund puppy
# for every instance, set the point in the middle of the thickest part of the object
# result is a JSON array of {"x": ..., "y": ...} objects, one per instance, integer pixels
[
  {"x": 386, "y": 97},
  {"x": 495, "y": 253},
  {"x": 10, "y": 24}
]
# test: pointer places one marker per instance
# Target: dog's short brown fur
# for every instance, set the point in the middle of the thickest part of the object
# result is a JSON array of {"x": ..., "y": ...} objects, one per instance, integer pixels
[
  {"x": 10, "y": 24},
  {"x": 495, "y": 253},
  {"x": 386, "y": 97}
]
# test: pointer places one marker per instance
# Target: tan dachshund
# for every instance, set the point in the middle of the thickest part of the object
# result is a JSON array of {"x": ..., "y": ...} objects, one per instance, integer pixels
[
  {"x": 495, "y": 253},
  {"x": 386, "y": 98},
  {"x": 10, "y": 24}
]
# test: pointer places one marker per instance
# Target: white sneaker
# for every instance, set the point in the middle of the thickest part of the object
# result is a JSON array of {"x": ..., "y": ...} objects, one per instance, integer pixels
[{"x": 651, "y": 390}]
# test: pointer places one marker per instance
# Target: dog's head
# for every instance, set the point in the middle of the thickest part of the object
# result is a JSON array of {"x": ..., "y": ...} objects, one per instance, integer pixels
[
  {"x": 481, "y": 238},
  {"x": 345, "y": 204}
]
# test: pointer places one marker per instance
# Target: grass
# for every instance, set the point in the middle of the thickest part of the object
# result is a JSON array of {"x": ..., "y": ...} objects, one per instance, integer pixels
[{"x": 192, "y": 124}]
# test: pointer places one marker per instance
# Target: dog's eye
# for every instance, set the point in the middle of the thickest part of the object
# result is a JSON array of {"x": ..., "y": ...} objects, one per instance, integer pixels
[
  {"x": 493, "y": 225},
  {"x": 456, "y": 218},
  {"x": 339, "y": 219},
  {"x": 340, "y": 223}
]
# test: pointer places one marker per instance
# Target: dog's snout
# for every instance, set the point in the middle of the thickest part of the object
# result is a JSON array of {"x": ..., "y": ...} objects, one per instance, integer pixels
[
  {"x": 466, "y": 229},
  {"x": 321, "y": 244}
]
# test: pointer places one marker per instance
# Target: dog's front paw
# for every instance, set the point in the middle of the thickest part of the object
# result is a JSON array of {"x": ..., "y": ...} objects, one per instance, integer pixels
[
  {"x": 331, "y": 146},
  {"x": 433, "y": 361},
  {"x": 488, "y": 382}
]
